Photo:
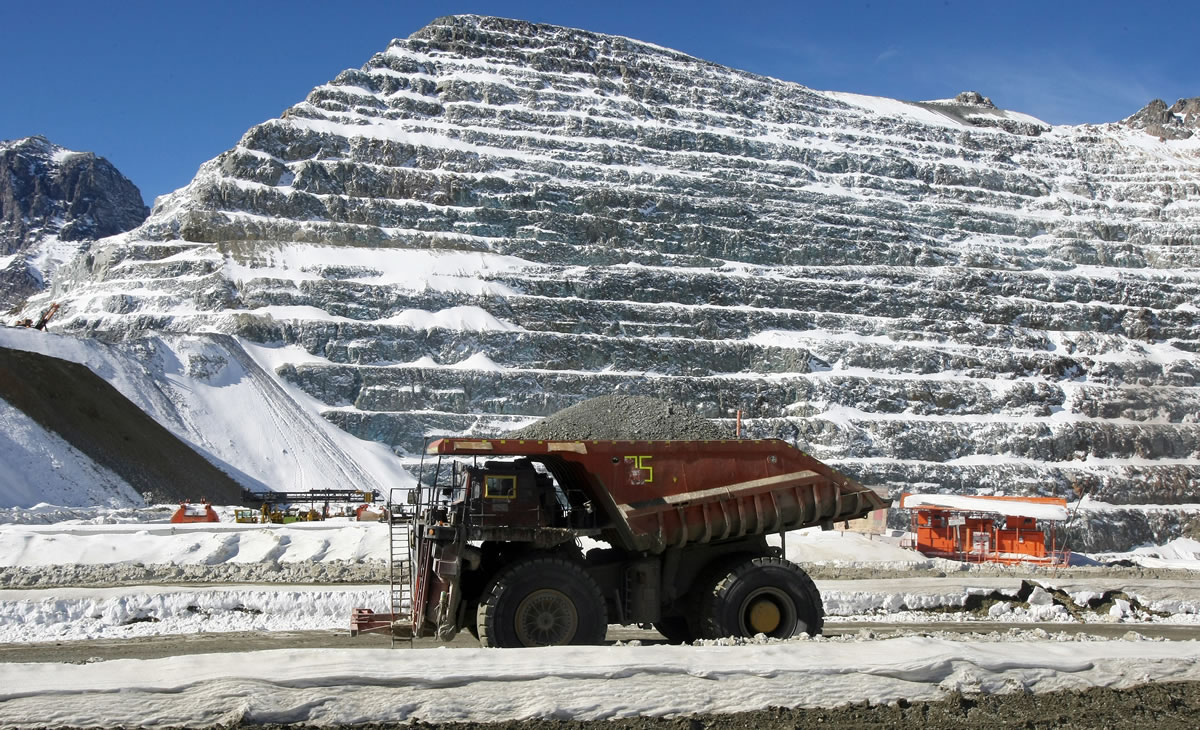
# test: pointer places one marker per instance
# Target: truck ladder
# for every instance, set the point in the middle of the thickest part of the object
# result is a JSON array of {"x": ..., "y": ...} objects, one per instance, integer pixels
[{"x": 400, "y": 573}]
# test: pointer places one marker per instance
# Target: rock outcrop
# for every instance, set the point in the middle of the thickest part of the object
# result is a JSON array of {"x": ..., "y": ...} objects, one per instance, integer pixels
[
  {"x": 1180, "y": 121},
  {"x": 493, "y": 220},
  {"x": 53, "y": 201}
]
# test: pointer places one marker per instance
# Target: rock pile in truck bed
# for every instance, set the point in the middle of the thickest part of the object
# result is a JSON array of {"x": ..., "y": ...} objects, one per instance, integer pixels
[{"x": 623, "y": 417}]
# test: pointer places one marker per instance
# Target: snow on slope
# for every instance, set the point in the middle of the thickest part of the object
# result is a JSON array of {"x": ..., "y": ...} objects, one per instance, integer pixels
[
  {"x": 39, "y": 466},
  {"x": 210, "y": 392},
  {"x": 338, "y": 687}
]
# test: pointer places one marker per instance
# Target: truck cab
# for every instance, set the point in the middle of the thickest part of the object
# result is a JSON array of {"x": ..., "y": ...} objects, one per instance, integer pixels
[{"x": 510, "y": 494}]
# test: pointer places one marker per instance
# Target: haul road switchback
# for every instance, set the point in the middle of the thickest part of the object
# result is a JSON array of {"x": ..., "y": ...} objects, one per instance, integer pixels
[{"x": 488, "y": 542}]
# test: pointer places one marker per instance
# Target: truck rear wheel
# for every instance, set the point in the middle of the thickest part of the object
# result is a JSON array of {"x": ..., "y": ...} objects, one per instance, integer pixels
[
  {"x": 767, "y": 596},
  {"x": 541, "y": 601}
]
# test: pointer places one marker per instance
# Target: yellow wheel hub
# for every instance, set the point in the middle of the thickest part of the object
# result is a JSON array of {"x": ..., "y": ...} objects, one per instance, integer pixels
[{"x": 764, "y": 616}]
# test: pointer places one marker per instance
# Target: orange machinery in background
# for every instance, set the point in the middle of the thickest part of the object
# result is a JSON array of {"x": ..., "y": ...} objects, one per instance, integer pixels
[
  {"x": 189, "y": 512},
  {"x": 987, "y": 529}
]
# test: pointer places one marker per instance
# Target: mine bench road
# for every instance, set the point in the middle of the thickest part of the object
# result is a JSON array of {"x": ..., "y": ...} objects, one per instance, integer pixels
[{"x": 155, "y": 647}]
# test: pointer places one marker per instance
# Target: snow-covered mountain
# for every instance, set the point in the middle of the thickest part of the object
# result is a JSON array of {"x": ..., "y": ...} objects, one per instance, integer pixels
[
  {"x": 52, "y": 201},
  {"x": 493, "y": 219}
]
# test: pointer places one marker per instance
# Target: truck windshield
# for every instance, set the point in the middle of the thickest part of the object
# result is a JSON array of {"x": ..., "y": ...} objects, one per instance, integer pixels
[{"x": 500, "y": 487}]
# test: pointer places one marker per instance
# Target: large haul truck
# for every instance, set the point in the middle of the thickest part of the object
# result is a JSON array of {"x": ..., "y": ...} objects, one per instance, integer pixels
[{"x": 491, "y": 541}]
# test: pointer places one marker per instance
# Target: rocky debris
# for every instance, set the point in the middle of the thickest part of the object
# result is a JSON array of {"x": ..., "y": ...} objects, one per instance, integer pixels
[
  {"x": 1180, "y": 121},
  {"x": 50, "y": 196},
  {"x": 940, "y": 568},
  {"x": 1046, "y": 603},
  {"x": 621, "y": 417}
]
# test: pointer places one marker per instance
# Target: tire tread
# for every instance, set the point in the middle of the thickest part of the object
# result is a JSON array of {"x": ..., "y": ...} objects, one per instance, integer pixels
[
  {"x": 494, "y": 592},
  {"x": 727, "y": 576}
]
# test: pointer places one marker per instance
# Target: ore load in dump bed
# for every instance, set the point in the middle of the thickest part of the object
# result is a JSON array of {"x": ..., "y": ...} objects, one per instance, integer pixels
[
  {"x": 494, "y": 532},
  {"x": 623, "y": 417}
]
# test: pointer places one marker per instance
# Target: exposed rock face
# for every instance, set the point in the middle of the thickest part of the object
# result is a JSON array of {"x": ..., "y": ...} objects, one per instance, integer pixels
[
  {"x": 493, "y": 220},
  {"x": 52, "y": 200},
  {"x": 1178, "y": 122}
]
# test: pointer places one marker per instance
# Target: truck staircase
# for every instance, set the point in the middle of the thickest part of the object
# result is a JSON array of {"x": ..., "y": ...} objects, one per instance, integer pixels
[
  {"x": 398, "y": 623},
  {"x": 400, "y": 571}
]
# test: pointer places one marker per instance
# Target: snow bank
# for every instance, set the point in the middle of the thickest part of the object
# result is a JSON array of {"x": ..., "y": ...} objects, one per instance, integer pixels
[
  {"x": 814, "y": 545},
  {"x": 198, "y": 543},
  {"x": 44, "y": 513},
  {"x": 109, "y": 613},
  {"x": 1181, "y": 553},
  {"x": 338, "y": 687}
]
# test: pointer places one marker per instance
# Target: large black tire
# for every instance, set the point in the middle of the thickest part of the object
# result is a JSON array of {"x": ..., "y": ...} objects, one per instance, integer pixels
[
  {"x": 675, "y": 629},
  {"x": 541, "y": 601},
  {"x": 768, "y": 596}
]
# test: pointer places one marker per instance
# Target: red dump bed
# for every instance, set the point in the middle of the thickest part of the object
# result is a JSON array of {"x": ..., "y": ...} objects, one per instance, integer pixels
[{"x": 658, "y": 494}]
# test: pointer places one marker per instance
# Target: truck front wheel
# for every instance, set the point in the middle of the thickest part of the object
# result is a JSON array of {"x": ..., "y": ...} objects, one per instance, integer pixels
[
  {"x": 762, "y": 596},
  {"x": 541, "y": 601}
]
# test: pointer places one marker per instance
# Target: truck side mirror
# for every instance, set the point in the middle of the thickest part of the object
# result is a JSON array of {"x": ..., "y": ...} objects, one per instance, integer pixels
[{"x": 411, "y": 497}]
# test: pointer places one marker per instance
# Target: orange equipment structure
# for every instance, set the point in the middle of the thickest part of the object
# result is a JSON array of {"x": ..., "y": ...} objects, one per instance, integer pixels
[
  {"x": 46, "y": 316},
  {"x": 365, "y": 513},
  {"x": 987, "y": 529},
  {"x": 189, "y": 512}
]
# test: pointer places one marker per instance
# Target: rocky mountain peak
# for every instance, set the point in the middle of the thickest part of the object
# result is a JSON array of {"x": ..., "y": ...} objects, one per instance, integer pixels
[
  {"x": 477, "y": 35},
  {"x": 1179, "y": 121},
  {"x": 492, "y": 220},
  {"x": 974, "y": 98},
  {"x": 52, "y": 200}
]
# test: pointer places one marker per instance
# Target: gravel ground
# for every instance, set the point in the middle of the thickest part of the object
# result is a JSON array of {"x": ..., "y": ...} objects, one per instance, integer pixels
[
  {"x": 332, "y": 571},
  {"x": 623, "y": 417}
]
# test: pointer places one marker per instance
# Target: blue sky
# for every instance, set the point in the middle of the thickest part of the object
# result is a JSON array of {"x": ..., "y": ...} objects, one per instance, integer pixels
[{"x": 160, "y": 87}]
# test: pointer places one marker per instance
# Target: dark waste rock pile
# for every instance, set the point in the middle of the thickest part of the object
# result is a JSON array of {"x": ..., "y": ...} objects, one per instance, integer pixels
[{"x": 633, "y": 417}]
